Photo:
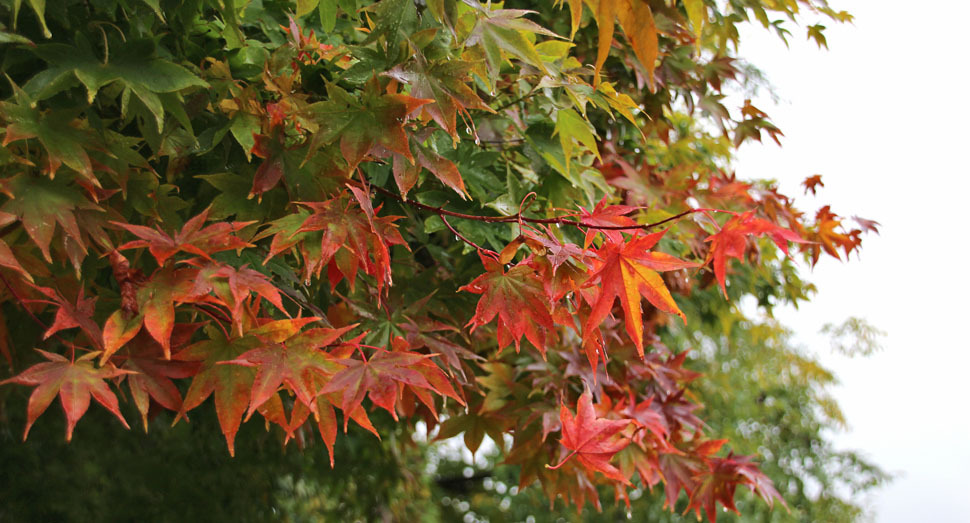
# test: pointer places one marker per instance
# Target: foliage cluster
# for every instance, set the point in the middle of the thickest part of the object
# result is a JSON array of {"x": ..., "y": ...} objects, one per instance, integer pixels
[{"x": 440, "y": 212}]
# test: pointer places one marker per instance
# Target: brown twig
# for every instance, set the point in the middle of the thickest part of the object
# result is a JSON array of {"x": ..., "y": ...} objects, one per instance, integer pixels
[
  {"x": 459, "y": 235},
  {"x": 562, "y": 220}
]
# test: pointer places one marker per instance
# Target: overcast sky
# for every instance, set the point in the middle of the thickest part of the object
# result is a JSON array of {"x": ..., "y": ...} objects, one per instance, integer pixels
[{"x": 884, "y": 118}]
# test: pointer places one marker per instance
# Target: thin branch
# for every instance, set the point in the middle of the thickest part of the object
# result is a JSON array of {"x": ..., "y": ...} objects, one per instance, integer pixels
[
  {"x": 459, "y": 235},
  {"x": 524, "y": 97},
  {"x": 562, "y": 220}
]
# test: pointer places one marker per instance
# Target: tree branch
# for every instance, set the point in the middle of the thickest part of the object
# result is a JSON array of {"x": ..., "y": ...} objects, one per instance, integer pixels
[{"x": 562, "y": 220}]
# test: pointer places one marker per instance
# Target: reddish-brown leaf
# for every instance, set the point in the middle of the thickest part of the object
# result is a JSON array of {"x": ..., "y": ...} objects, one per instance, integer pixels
[
  {"x": 117, "y": 332},
  {"x": 230, "y": 384},
  {"x": 297, "y": 361},
  {"x": 7, "y": 259},
  {"x": 74, "y": 381},
  {"x": 717, "y": 485},
  {"x": 157, "y": 299},
  {"x": 193, "y": 238},
  {"x": 153, "y": 375},
  {"x": 70, "y": 315},
  {"x": 731, "y": 241},
  {"x": 379, "y": 378},
  {"x": 593, "y": 441},
  {"x": 346, "y": 237},
  {"x": 812, "y": 182},
  {"x": 518, "y": 298},
  {"x": 609, "y": 216}
]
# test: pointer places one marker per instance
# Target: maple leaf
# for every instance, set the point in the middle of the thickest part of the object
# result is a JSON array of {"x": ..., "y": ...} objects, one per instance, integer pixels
[
  {"x": 152, "y": 375},
  {"x": 230, "y": 384},
  {"x": 828, "y": 239},
  {"x": 267, "y": 176},
  {"x": 50, "y": 203},
  {"x": 812, "y": 182},
  {"x": 628, "y": 271},
  {"x": 74, "y": 381},
  {"x": 376, "y": 119},
  {"x": 350, "y": 235},
  {"x": 239, "y": 284},
  {"x": 445, "y": 82},
  {"x": 867, "y": 225},
  {"x": 518, "y": 298},
  {"x": 70, "y": 315},
  {"x": 638, "y": 25},
  {"x": 571, "y": 127},
  {"x": 473, "y": 426},
  {"x": 7, "y": 258},
  {"x": 593, "y": 441},
  {"x": 501, "y": 31},
  {"x": 118, "y": 330},
  {"x": 718, "y": 484},
  {"x": 57, "y": 131},
  {"x": 442, "y": 168},
  {"x": 378, "y": 378},
  {"x": 293, "y": 359},
  {"x": 731, "y": 241},
  {"x": 157, "y": 298},
  {"x": 606, "y": 215},
  {"x": 682, "y": 468},
  {"x": 193, "y": 238},
  {"x": 555, "y": 250}
]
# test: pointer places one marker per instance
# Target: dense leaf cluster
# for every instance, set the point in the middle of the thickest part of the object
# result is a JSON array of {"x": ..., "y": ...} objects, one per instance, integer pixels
[{"x": 329, "y": 211}]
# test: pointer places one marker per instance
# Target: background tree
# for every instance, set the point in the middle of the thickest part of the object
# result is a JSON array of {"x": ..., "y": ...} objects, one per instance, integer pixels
[{"x": 329, "y": 207}]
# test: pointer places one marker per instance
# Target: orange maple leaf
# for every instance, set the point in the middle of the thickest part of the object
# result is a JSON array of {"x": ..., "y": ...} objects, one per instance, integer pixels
[{"x": 629, "y": 271}]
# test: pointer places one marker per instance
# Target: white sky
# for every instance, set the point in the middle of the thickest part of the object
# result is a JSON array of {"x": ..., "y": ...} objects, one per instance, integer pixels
[{"x": 884, "y": 117}]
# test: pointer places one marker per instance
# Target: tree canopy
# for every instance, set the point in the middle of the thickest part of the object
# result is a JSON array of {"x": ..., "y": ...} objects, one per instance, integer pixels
[{"x": 513, "y": 226}]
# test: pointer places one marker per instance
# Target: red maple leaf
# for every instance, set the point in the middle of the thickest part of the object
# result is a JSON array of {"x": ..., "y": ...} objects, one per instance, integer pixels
[
  {"x": 230, "y": 384},
  {"x": 294, "y": 359},
  {"x": 593, "y": 440},
  {"x": 681, "y": 469},
  {"x": 379, "y": 377},
  {"x": 827, "y": 238},
  {"x": 74, "y": 381},
  {"x": 232, "y": 286},
  {"x": 731, "y": 241},
  {"x": 518, "y": 298},
  {"x": 70, "y": 315},
  {"x": 717, "y": 485},
  {"x": 340, "y": 235},
  {"x": 629, "y": 271},
  {"x": 193, "y": 238},
  {"x": 609, "y": 216},
  {"x": 157, "y": 299},
  {"x": 152, "y": 375}
]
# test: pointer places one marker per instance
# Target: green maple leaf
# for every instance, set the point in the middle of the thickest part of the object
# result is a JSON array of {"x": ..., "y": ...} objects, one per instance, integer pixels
[
  {"x": 59, "y": 132},
  {"x": 41, "y": 204},
  {"x": 503, "y": 31},
  {"x": 445, "y": 82},
  {"x": 375, "y": 119}
]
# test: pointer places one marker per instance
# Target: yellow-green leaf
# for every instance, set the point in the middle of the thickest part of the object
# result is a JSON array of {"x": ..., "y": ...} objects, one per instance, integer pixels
[
  {"x": 696, "y": 13},
  {"x": 305, "y": 7},
  {"x": 570, "y": 126}
]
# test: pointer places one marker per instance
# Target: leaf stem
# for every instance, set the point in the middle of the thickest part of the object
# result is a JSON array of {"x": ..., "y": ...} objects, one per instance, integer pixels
[{"x": 459, "y": 235}]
